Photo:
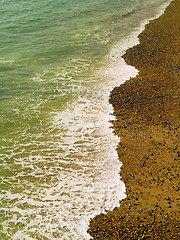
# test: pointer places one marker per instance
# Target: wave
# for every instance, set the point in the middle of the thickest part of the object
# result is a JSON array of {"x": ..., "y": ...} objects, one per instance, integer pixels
[{"x": 127, "y": 14}]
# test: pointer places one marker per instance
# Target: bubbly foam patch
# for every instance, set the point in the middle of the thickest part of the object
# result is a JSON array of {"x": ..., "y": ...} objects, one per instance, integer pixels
[{"x": 6, "y": 61}]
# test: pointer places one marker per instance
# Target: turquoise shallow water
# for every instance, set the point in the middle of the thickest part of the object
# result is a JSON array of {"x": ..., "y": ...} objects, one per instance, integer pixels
[{"x": 59, "y": 61}]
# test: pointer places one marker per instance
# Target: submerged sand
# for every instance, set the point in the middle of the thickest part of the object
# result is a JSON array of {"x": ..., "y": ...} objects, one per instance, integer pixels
[{"x": 147, "y": 112}]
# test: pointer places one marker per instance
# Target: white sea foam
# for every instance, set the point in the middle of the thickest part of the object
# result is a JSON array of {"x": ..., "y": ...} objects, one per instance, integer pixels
[{"x": 6, "y": 61}]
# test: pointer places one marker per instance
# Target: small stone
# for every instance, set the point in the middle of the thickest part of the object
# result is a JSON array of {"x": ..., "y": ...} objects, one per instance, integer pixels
[{"x": 143, "y": 163}]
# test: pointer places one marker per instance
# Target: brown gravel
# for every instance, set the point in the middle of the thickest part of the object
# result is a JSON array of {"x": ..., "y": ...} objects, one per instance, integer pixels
[{"x": 147, "y": 112}]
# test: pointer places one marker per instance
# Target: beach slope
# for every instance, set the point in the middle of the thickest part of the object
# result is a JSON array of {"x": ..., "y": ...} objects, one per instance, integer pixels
[{"x": 147, "y": 112}]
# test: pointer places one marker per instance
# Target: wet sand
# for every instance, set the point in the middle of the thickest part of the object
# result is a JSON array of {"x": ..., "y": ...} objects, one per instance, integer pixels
[{"x": 147, "y": 112}]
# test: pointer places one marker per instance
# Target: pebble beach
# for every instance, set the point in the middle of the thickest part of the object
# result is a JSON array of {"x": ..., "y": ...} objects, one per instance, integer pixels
[{"x": 147, "y": 121}]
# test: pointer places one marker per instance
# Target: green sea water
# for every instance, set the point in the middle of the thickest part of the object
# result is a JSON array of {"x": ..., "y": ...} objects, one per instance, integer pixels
[{"x": 59, "y": 60}]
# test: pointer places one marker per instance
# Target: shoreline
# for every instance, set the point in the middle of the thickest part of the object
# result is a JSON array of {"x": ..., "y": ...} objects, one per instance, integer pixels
[{"x": 146, "y": 109}]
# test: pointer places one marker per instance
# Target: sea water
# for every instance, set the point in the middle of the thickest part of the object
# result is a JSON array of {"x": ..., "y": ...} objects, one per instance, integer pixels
[{"x": 59, "y": 60}]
